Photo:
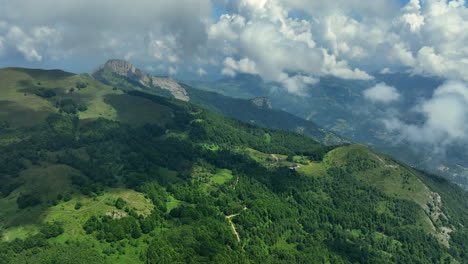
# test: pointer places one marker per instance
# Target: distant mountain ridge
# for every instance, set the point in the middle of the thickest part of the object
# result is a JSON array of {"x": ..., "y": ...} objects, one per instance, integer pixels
[{"x": 258, "y": 110}]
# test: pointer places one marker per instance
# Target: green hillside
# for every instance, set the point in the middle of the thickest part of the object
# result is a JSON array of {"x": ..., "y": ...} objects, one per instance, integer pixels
[
  {"x": 240, "y": 109},
  {"x": 107, "y": 176},
  {"x": 340, "y": 107}
]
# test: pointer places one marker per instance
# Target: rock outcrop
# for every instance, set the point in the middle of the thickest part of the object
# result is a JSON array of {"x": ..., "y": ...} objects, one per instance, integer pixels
[
  {"x": 129, "y": 71},
  {"x": 262, "y": 102},
  {"x": 174, "y": 87}
]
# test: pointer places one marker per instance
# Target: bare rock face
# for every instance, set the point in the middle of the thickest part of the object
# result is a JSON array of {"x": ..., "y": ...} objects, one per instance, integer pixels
[
  {"x": 128, "y": 70},
  {"x": 170, "y": 84},
  {"x": 262, "y": 102},
  {"x": 118, "y": 66},
  {"x": 116, "y": 214}
]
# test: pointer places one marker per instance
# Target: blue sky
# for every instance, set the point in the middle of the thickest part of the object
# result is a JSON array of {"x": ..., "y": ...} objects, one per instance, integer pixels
[
  {"x": 218, "y": 8},
  {"x": 403, "y": 2}
]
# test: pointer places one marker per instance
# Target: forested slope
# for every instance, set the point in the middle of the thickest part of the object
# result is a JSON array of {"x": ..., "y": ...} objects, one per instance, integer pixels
[
  {"x": 100, "y": 180},
  {"x": 125, "y": 76}
]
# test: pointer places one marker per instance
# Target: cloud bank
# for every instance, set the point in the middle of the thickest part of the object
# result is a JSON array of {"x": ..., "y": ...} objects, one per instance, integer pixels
[
  {"x": 291, "y": 42},
  {"x": 157, "y": 32},
  {"x": 445, "y": 118}
]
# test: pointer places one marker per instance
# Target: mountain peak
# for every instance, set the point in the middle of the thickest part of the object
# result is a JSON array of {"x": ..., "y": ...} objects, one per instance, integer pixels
[
  {"x": 262, "y": 102},
  {"x": 118, "y": 66},
  {"x": 129, "y": 71}
]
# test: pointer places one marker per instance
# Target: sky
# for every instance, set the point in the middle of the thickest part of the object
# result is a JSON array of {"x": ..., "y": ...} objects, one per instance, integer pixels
[{"x": 291, "y": 42}]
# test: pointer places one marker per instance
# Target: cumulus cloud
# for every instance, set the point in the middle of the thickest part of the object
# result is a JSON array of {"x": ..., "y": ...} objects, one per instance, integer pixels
[
  {"x": 296, "y": 84},
  {"x": 245, "y": 65},
  {"x": 414, "y": 21},
  {"x": 29, "y": 43},
  {"x": 445, "y": 119},
  {"x": 163, "y": 48},
  {"x": 386, "y": 71},
  {"x": 382, "y": 93},
  {"x": 276, "y": 46},
  {"x": 93, "y": 31},
  {"x": 428, "y": 37},
  {"x": 344, "y": 38}
]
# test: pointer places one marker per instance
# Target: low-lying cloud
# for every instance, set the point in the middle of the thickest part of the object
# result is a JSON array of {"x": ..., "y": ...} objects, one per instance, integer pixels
[
  {"x": 382, "y": 93},
  {"x": 231, "y": 66},
  {"x": 445, "y": 118}
]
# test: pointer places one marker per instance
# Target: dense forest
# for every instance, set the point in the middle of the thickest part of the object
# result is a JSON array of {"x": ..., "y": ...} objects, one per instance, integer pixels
[{"x": 203, "y": 188}]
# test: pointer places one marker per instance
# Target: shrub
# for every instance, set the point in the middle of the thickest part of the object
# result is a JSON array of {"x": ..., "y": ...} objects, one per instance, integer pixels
[
  {"x": 120, "y": 203},
  {"x": 81, "y": 85},
  {"x": 52, "y": 229},
  {"x": 78, "y": 205}
]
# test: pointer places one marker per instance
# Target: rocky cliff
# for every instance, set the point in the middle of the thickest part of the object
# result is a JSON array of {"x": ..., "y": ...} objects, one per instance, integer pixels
[
  {"x": 129, "y": 71},
  {"x": 262, "y": 102}
]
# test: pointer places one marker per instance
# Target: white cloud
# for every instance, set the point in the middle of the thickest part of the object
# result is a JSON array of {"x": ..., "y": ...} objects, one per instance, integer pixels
[
  {"x": 382, "y": 93},
  {"x": 428, "y": 37},
  {"x": 35, "y": 43},
  {"x": 341, "y": 69},
  {"x": 296, "y": 84},
  {"x": 245, "y": 65},
  {"x": 348, "y": 38},
  {"x": 343, "y": 38},
  {"x": 227, "y": 27},
  {"x": 163, "y": 49},
  {"x": 274, "y": 45},
  {"x": 23, "y": 43},
  {"x": 386, "y": 71},
  {"x": 413, "y": 6},
  {"x": 414, "y": 21},
  {"x": 445, "y": 118},
  {"x": 93, "y": 31}
]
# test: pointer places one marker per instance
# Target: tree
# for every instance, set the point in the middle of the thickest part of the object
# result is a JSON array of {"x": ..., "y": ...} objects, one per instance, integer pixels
[
  {"x": 120, "y": 203},
  {"x": 27, "y": 200},
  {"x": 52, "y": 229}
]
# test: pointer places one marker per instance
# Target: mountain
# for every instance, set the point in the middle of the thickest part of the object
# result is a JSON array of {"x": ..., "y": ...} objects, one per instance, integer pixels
[
  {"x": 339, "y": 106},
  {"x": 119, "y": 68},
  {"x": 259, "y": 110},
  {"x": 94, "y": 174}
]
